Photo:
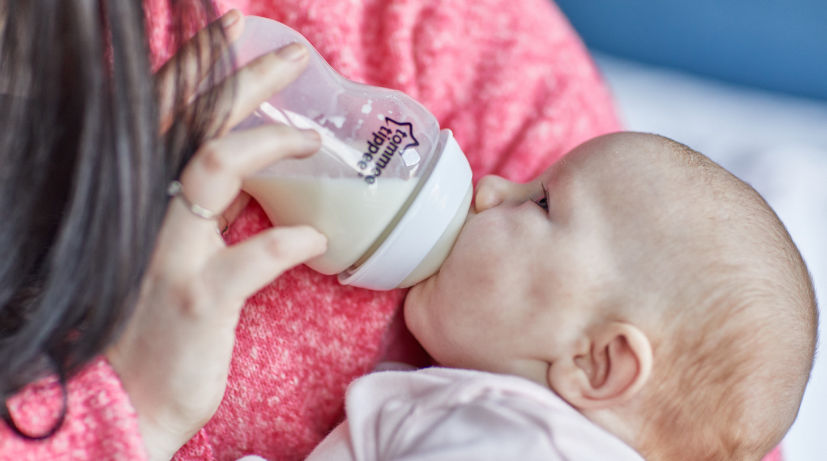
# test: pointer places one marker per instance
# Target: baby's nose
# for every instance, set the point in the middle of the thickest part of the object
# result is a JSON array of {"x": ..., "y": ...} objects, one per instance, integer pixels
[{"x": 492, "y": 191}]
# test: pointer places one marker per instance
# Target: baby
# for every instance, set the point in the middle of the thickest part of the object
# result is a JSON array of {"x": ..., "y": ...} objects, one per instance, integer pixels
[{"x": 634, "y": 301}]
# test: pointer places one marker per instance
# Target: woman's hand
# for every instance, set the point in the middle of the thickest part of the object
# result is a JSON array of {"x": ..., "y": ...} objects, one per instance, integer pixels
[{"x": 174, "y": 355}]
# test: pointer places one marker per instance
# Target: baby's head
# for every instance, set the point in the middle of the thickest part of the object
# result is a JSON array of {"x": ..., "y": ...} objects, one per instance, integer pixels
[{"x": 652, "y": 290}]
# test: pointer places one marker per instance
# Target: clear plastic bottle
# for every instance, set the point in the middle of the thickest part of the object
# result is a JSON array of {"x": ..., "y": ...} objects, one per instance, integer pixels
[{"x": 388, "y": 188}]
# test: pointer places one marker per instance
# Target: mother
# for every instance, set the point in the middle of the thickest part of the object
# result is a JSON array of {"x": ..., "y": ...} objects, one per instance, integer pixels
[{"x": 134, "y": 301}]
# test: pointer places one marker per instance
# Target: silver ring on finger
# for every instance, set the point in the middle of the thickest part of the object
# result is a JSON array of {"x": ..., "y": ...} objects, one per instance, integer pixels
[{"x": 176, "y": 190}]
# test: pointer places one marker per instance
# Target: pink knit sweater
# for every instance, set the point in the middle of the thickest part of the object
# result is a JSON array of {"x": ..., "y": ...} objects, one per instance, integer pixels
[{"x": 516, "y": 86}]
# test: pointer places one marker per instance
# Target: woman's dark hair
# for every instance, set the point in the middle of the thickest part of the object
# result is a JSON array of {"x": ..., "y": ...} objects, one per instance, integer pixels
[{"x": 83, "y": 174}]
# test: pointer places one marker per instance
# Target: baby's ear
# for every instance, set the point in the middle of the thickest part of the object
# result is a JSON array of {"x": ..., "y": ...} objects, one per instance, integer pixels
[{"x": 610, "y": 371}]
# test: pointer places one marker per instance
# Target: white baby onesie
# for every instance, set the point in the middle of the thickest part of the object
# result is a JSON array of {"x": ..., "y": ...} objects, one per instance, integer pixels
[{"x": 440, "y": 414}]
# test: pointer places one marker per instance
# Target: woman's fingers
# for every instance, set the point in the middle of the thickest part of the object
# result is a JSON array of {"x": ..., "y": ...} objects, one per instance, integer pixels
[
  {"x": 237, "y": 272},
  {"x": 212, "y": 179},
  {"x": 192, "y": 63},
  {"x": 245, "y": 90}
]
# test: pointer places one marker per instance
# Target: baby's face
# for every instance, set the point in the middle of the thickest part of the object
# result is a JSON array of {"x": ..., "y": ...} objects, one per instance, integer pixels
[{"x": 527, "y": 272}]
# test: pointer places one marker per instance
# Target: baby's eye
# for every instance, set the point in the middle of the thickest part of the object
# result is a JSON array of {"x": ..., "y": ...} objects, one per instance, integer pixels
[{"x": 542, "y": 202}]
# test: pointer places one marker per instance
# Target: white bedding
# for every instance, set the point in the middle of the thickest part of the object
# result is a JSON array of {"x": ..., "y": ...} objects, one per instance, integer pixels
[{"x": 776, "y": 143}]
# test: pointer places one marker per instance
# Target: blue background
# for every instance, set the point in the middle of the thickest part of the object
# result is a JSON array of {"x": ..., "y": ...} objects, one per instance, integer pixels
[{"x": 779, "y": 45}]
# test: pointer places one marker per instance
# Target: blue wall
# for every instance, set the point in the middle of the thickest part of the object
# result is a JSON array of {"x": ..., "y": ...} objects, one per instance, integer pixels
[{"x": 774, "y": 44}]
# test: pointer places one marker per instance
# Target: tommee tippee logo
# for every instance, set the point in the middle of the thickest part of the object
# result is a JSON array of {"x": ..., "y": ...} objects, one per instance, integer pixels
[{"x": 387, "y": 141}]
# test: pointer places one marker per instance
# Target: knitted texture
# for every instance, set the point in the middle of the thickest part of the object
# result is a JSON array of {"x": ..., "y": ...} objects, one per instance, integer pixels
[{"x": 100, "y": 422}]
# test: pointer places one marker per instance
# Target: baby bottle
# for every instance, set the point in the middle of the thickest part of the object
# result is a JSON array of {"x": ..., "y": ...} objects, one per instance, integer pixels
[{"x": 388, "y": 188}]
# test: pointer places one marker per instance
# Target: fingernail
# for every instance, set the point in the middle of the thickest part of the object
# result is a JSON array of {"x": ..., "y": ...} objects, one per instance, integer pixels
[
  {"x": 230, "y": 18},
  {"x": 293, "y": 52}
]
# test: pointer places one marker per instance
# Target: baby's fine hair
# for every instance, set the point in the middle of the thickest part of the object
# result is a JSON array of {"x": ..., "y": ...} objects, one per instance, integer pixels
[{"x": 738, "y": 325}]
